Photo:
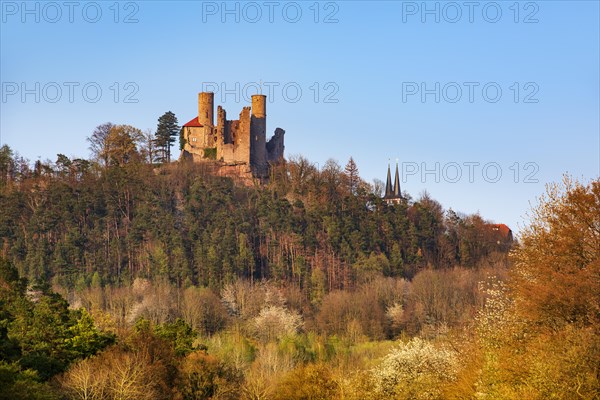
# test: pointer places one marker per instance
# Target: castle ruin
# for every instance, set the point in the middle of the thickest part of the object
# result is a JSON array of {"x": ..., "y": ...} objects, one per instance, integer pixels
[{"x": 234, "y": 142}]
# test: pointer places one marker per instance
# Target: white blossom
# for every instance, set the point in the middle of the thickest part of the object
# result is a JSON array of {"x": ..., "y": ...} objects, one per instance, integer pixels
[
  {"x": 275, "y": 322},
  {"x": 416, "y": 369}
]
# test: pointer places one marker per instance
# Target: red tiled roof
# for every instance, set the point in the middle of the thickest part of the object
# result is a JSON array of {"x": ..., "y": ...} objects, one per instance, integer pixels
[
  {"x": 194, "y": 122},
  {"x": 502, "y": 228}
]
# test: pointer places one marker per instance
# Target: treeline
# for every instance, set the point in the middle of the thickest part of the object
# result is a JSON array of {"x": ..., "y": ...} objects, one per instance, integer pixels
[{"x": 118, "y": 217}]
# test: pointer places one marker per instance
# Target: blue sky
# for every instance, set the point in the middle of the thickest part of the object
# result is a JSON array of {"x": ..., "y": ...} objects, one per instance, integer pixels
[{"x": 453, "y": 88}]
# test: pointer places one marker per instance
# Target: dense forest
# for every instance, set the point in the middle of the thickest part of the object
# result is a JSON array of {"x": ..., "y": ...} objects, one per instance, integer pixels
[{"x": 126, "y": 276}]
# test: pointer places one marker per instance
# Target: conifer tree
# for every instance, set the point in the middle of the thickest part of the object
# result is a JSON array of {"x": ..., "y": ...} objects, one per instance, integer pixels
[
  {"x": 166, "y": 132},
  {"x": 352, "y": 177}
]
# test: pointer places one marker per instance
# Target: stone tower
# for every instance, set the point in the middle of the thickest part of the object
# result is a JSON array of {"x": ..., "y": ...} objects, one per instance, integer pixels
[
  {"x": 258, "y": 132},
  {"x": 206, "y": 108}
]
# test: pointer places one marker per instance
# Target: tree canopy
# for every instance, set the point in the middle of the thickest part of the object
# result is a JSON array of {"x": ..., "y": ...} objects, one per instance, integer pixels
[{"x": 167, "y": 132}]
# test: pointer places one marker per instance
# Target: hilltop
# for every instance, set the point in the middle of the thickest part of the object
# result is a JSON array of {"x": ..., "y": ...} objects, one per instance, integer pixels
[{"x": 66, "y": 221}]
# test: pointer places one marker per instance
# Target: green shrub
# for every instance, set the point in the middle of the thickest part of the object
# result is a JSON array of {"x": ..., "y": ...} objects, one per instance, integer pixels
[{"x": 210, "y": 153}]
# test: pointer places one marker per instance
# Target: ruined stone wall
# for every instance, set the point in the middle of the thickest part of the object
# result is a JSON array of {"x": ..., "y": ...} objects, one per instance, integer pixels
[
  {"x": 275, "y": 146},
  {"x": 220, "y": 132},
  {"x": 194, "y": 157},
  {"x": 231, "y": 129},
  {"x": 241, "y": 173},
  {"x": 236, "y": 139},
  {"x": 210, "y": 137},
  {"x": 241, "y": 136}
]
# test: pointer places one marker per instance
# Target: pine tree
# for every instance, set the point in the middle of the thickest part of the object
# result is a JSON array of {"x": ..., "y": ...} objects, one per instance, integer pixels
[
  {"x": 352, "y": 178},
  {"x": 166, "y": 132},
  {"x": 6, "y": 165}
]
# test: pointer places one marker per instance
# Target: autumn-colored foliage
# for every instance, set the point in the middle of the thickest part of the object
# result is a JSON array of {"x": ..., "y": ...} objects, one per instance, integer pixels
[
  {"x": 123, "y": 280},
  {"x": 557, "y": 265},
  {"x": 539, "y": 332}
]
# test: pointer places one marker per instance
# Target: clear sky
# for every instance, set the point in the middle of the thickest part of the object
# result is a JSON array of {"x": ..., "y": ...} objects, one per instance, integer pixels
[{"x": 463, "y": 90}]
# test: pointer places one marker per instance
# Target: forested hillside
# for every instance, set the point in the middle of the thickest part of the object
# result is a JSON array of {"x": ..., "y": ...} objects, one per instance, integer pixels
[
  {"x": 65, "y": 222},
  {"x": 124, "y": 279}
]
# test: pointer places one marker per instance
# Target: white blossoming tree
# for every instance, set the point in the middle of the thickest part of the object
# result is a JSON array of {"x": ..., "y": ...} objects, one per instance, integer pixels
[
  {"x": 415, "y": 370},
  {"x": 274, "y": 322}
]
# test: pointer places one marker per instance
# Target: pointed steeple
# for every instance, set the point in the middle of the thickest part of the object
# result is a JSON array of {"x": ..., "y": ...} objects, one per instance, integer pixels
[
  {"x": 388, "y": 185},
  {"x": 397, "y": 192}
]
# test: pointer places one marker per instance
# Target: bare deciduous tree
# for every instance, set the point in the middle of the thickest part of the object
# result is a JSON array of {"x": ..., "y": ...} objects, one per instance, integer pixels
[{"x": 98, "y": 144}]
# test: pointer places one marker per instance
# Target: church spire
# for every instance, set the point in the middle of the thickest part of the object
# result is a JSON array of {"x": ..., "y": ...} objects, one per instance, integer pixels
[
  {"x": 397, "y": 192},
  {"x": 388, "y": 185}
]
